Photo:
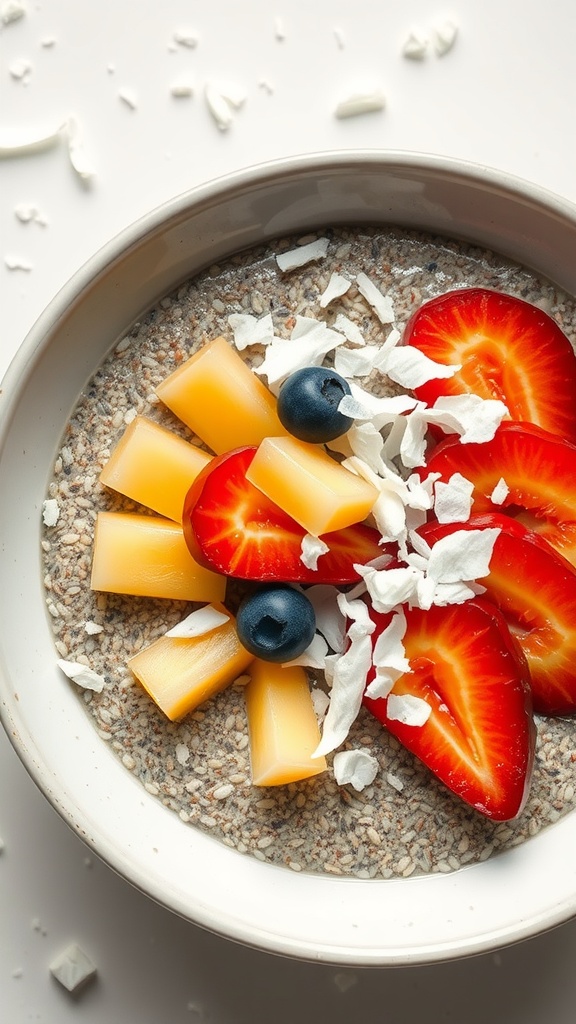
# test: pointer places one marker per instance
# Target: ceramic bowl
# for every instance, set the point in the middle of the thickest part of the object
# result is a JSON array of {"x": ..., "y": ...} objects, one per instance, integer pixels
[{"x": 338, "y": 920}]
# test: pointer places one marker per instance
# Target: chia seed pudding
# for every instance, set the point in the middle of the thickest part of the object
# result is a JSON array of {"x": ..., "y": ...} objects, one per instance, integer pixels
[{"x": 405, "y": 822}]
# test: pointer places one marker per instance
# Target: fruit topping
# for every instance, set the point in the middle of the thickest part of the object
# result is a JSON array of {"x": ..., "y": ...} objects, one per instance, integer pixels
[
  {"x": 282, "y": 725},
  {"x": 535, "y": 589},
  {"x": 464, "y": 707},
  {"x": 318, "y": 492},
  {"x": 537, "y": 469},
  {"x": 308, "y": 404},
  {"x": 232, "y": 527},
  {"x": 216, "y": 394},
  {"x": 506, "y": 349},
  {"x": 276, "y": 623}
]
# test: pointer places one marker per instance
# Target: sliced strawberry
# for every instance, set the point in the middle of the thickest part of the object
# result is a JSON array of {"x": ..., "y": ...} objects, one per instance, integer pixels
[
  {"x": 232, "y": 527},
  {"x": 535, "y": 589},
  {"x": 508, "y": 349},
  {"x": 538, "y": 468},
  {"x": 479, "y": 738}
]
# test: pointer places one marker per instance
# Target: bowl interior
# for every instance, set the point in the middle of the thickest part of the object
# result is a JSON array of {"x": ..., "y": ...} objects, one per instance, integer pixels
[{"x": 376, "y": 922}]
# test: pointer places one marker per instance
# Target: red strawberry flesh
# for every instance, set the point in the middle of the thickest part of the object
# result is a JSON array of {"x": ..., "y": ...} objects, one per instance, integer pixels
[
  {"x": 233, "y": 528},
  {"x": 508, "y": 349},
  {"x": 480, "y": 736}
]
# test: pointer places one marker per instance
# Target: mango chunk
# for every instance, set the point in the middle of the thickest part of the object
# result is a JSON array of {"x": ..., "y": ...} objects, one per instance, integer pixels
[
  {"x": 147, "y": 556},
  {"x": 282, "y": 725},
  {"x": 216, "y": 394},
  {"x": 181, "y": 673},
  {"x": 309, "y": 485},
  {"x": 154, "y": 467}
]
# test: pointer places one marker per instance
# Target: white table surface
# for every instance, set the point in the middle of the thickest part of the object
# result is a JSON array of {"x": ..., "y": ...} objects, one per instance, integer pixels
[{"x": 504, "y": 96}]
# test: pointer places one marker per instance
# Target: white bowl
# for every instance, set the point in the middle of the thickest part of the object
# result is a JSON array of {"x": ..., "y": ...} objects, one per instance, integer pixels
[{"x": 338, "y": 920}]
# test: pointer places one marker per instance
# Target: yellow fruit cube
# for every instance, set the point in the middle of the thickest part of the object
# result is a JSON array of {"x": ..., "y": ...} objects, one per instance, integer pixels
[
  {"x": 147, "y": 556},
  {"x": 310, "y": 485},
  {"x": 216, "y": 394},
  {"x": 181, "y": 673},
  {"x": 154, "y": 467},
  {"x": 282, "y": 725}
]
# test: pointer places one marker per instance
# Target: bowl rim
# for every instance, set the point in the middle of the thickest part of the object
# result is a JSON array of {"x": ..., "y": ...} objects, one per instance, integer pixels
[{"x": 24, "y": 366}]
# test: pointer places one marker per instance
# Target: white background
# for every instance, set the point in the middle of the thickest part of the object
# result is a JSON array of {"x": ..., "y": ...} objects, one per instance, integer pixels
[{"x": 504, "y": 96}]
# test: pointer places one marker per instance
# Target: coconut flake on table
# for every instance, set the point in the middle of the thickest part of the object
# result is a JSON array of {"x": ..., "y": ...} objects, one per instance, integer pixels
[
  {"x": 187, "y": 38},
  {"x": 302, "y": 254},
  {"x": 444, "y": 36},
  {"x": 408, "y": 709},
  {"x": 336, "y": 287},
  {"x": 82, "y": 675},
  {"x": 360, "y": 103},
  {"x": 21, "y": 141},
  {"x": 14, "y": 262},
  {"x": 199, "y": 622},
  {"x": 129, "y": 98},
  {"x": 357, "y": 768},
  {"x": 311, "y": 550},
  {"x": 309, "y": 342},
  {"x": 72, "y": 968},
  {"x": 500, "y": 492},
  {"x": 348, "y": 685},
  {"x": 182, "y": 89},
  {"x": 453, "y": 500},
  {"x": 50, "y": 512},
  {"x": 21, "y": 70},
  {"x": 76, "y": 151},
  {"x": 11, "y": 11},
  {"x": 416, "y": 45},
  {"x": 27, "y": 213},
  {"x": 223, "y": 100},
  {"x": 251, "y": 330},
  {"x": 380, "y": 303}
]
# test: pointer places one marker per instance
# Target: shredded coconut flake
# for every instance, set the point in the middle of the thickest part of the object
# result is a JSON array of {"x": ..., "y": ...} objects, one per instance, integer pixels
[
  {"x": 82, "y": 675},
  {"x": 72, "y": 968},
  {"x": 444, "y": 36},
  {"x": 309, "y": 342},
  {"x": 360, "y": 103},
  {"x": 357, "y": 768},
  {"x": 500, "y": 492},
  {"x": 312, "y": 548},
  {"x": 199, "y": 622},
  {"x": 50, "y": 512},
  {"x": 416, "y": 45},
  {"x": 93, "y": 628},
  {"x": 348, "y": 685},
  {"x": 453, "y": 501},
  {"x": 462, "y": 556},
  {"x": 302, "y": 254},
  {"x": 336, "y": 287},
  {"x": 349, "y": 329},
  {"x": 381, "y": 304},
  {"x": 408, "y": 709},
  {"x": 251, "y": 330}
]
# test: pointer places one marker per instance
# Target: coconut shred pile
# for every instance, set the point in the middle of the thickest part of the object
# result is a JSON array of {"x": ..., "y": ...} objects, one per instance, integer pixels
[
  {"x": 387, "y": 442},
  {"x": 340, "y": 300}
]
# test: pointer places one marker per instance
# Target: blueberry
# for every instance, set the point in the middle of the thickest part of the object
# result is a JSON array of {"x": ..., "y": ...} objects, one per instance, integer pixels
[
  {"x": 276, "y": 623},
  {"x": 308, "y": 404}
]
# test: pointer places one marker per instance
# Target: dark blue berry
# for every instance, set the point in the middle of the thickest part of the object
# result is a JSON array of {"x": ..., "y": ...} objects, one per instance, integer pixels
[
  {"x": 276, "y": 623},
  {"x": 308, "y": 404}
]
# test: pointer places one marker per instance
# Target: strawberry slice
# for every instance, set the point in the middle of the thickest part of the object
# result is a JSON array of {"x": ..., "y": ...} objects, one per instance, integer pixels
[
  {"x": 479, "y": 737},
  {"x": 232, "y": 527},
  {"x": 508, "y": 349},
  {"x": 535, "y": 589},
  {"x": 537, "y": 467}
]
